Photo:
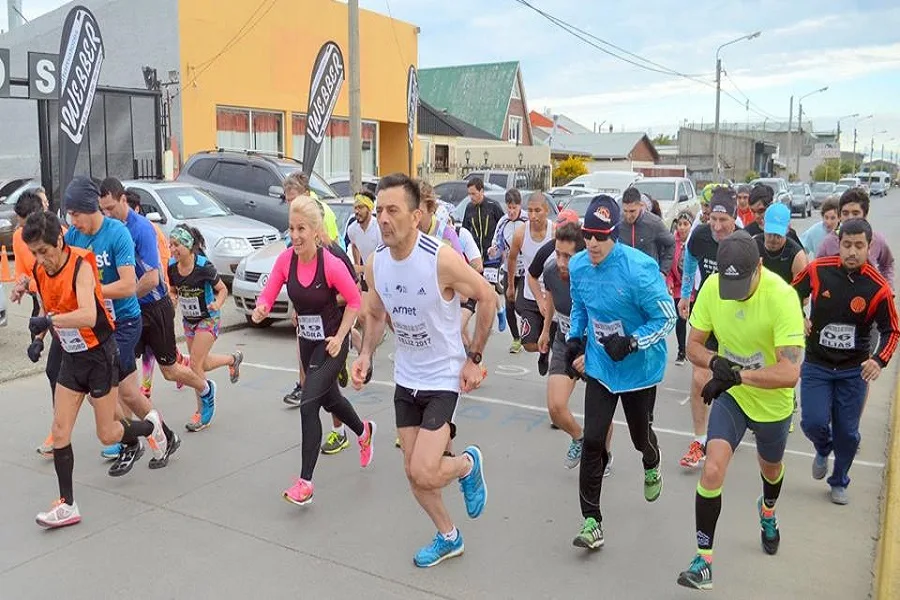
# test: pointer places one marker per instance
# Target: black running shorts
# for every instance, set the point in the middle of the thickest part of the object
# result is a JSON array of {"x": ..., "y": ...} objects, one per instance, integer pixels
[
  {"x": 158, "y": 332},
  {"x": 426, "y": 409},
  {"x": 94, "y": 371}
]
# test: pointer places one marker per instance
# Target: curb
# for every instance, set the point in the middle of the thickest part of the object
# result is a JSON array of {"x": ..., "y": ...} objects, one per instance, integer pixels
[{"x": 887, "y": 553}]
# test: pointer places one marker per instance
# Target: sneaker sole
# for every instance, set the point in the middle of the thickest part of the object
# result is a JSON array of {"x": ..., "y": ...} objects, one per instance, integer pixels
[
  {"x": 290, "y": 500},
  {"x": 580, "y": 543},
  {"x": 123, "y": 471},
  {"x": 454, "y": 554},
  {"x": 164, "y": 462},
  {"x": 235, "y": 371},
  {"x": 332, "y": 451},
  {"x": 685, "y": 582},
  {"x": 371, "y": 445},
  {"x": 291, "y": 403},
  {"x": 483, "y": 482},
  {"x": 66, "y": 523}
]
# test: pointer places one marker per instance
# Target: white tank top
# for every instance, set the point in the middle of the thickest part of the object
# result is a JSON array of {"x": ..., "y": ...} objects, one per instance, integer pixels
[
  {"x": 429, "y": 353},
  {"x": 530, "y": 249}
]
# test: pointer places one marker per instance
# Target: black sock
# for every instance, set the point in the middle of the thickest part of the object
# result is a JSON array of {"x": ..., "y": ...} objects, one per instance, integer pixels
[
  {"x": 64, "y": 462},
  {"x": 707, "y": 507},
  {"x": 771, "y": 490},
  {"x": 170, "y": 435},
  {"x": 135, "y": 430}
]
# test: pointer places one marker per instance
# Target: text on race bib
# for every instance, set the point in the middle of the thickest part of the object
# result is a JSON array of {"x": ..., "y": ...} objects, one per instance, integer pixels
[
  {"x": 412, "y": 336},
  {"x": 838, "y": 336},
  {"x": 310, "y": 327},
  {"x": 603, "y": 330},
  {"x": 110, "y": 308},
  {"x": 753, "y": 362},
  {"x": 71, "y": 340},
  {"x": 565, "y": 324},
  {"x": 491, "y": 274},
  {"x": 190, "y": 307}
]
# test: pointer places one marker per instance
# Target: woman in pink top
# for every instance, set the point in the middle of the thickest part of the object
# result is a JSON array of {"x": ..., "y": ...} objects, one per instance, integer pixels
[{"x": 314, "y": 279}]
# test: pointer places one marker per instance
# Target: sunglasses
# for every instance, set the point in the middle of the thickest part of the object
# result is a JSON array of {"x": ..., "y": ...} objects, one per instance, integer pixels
[{"x": 594, "y": 234}]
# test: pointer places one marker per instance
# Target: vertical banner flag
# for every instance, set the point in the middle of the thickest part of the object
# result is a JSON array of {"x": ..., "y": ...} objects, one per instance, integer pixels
[
  {"x": 324, "y": 88},
  {"x": 80, "y": 58},
  {"x": 412, "y": 109}
]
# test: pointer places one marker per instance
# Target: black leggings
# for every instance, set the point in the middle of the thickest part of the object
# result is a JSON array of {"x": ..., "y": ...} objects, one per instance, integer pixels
[
  {"x": 599, "y": 407},
  {"x": 320, "y": 390},
  {"x": 680, "y": 330}
]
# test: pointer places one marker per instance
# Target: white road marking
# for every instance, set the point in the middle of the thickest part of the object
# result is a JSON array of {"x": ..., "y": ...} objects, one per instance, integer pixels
[
  {"x": 542, "y": 409},
  {"x": 511, "y": 370}
]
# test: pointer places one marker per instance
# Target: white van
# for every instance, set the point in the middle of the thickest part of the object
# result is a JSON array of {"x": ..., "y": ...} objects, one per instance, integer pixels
[
  {"x": 607, "y": 182},
  {"x": 879, "y": 182}
]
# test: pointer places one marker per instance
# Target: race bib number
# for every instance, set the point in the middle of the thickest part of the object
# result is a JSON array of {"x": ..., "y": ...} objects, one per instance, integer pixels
[
  {"x": 190, "y": 307},
  {"x": 491, "y": 274},
  {"x": 110, "y": 308},
  {"x": 837, "y": 336},
  {"x": 412, "y": 337},
  {"x": 565, "y": 323},
  {"x": 602, "y": 330},
  {"x": 753, "y": 362},
  {"x": 71, "y": 340},
  {"x": 310, "y": 327}
]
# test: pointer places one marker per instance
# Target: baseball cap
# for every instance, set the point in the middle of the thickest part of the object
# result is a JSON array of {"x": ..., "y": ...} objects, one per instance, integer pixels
[
  {"x": 723, "y": 201},
  {"x": 778, "y": 219},
  {"x": 567, "y": 215},
  {"x": 602, "y": 215},
  {"x": 738, "y": 259}
]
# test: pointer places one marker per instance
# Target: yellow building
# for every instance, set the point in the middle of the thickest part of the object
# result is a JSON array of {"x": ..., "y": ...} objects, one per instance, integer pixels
[{"x": 245, "y": 73}]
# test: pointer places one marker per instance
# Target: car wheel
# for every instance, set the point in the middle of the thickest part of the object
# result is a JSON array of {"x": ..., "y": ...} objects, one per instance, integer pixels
[{"x": 261, "y": 325}]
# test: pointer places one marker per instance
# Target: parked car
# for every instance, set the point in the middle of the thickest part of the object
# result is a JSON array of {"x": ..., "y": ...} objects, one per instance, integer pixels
[
  {"x": 341, "y": 184},
  {"x": 801, "y": 200},
  {"x": 674, "y": 194},
  {"x": 253, "y": 272},
  {"x": 779, "y": 188},
  {"x": 850, "y": 182},
  {"x": 822, "y": 191},
  {"x": 607, "y": 182},
  {"x": 454, "y": 192},
  {"x": 879, "y": 182},
  {"x": 562, "y": 194},
  {"x": 8, "y": 186},
  {"x": 229, "y": 237},
  {"x": 249, "y": 183},
  {"x": 10, "y": 191},
  {"x": 504, "y": 179},
  {"x": 579, "y": 203},
  {"x": 840, "y": 189},
  {"x": 460, "y": 209}
]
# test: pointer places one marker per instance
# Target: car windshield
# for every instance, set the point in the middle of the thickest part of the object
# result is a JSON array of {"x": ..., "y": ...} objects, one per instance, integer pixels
[
  {"x": 316, "y": 183},
  {"x": 658, "y": 190},
  {"x": 342, "y": 212},
  {"x": 823, "y": 187},
  {"x": 579, "y": 204},
  {"x": 771, "y": 185},
  {"x": 839, "y": 189},
  {"x": 798, "y": 189},
  {"x": 185, "y": 203}
]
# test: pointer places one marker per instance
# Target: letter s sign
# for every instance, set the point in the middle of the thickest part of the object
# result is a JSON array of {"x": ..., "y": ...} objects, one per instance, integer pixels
[
  {"x": 4, "y": 73},
  {"x": 43, "y": 76}
]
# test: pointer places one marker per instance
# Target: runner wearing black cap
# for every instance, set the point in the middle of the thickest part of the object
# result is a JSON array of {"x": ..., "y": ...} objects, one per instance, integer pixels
[{"x": 758, "y": 321}]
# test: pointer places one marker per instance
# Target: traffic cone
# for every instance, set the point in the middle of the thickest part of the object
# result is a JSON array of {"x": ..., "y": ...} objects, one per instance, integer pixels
[{"x": 5, "y": 273}]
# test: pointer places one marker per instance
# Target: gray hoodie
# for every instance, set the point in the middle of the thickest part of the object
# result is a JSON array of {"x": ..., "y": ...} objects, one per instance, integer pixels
[{"x": 650, "y": 236}]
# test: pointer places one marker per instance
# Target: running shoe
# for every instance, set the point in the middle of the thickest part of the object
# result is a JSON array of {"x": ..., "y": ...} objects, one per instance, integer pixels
[
  {"x": 185, "y": 361},
  {"x": 591, "y": 536},
  {"x": 693, "y": 456},
  {"x": 608, "y": 470},
  {"x": 46, "y": 449},
  {"x": 439, "y": 550},
  {"x": 171, "y": 447},
  {"x": 335, "y": 442},
  {"x": 234, "y": 371},
  {"x": 157, "y": 440},
  {"x": 501, "y": 319},
  {"x": 543, "y": 363},
  {"x": 473, "y": 486},
  {"x": 208, "y": 404},
  {"x": 516, "y": 347},
  {"x": 768, "y": 525},
  {"x": 301, "y": 493},
  {"x": 343, "y": 377},
  {"x": 293, "y": 398},
  {"x": 129, "y": 455},
  {"x": 573, "y": 456},
  {"x": 111, "y": 452},
  {"x": 367, "y": 446},
  {"x": 819, "y": 466},
  {"x": 653, "y": 484},
  {"x": 397, "y": 442},
  {"x": 698, "y": 576},
  {"x": 839, "y": 495},
  {"x": 680, "y": 359},
  {"x": 59, "y": 515},
  {"x": 195, "y": 424}
]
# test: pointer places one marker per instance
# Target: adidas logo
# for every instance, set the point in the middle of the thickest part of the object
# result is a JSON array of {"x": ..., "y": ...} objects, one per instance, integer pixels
[
  {"x": 422, "y": 292},
  {"x": 732, "y": 272}
]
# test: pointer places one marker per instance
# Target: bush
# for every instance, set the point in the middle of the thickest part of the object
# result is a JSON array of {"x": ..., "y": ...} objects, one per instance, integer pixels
[
  {"x": 830, "y": 170},
  {"x": 568, "y": 169},
  {"x": 750, "y": 176}
]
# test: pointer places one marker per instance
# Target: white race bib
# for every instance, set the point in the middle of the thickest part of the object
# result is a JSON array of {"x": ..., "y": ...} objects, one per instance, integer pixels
[
  {"x": 71, "y": 340},
  {"x": 838, "y": 336},
  {"x": 491, "y": 274},
  {"x": 602, "y": 330},
  {"x": 310, "y": 327},
  {"x": 565, "y": 323},
  {"x": 190, "y": 307},
  {"x": 753, "y": 362},
  {"x": 110, "y": 308}
]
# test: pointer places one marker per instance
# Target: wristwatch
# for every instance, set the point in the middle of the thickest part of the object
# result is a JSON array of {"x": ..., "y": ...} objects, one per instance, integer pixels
[
  {"x": 633, "y": 346},
  {"x": 475, "y": 357}
]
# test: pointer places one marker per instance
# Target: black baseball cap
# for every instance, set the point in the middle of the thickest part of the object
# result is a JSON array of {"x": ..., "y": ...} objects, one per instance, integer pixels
[{"x": 738, "y": 259}]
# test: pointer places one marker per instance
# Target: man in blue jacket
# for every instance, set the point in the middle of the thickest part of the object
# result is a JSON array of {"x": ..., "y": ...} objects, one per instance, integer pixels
[{"x": 621, "y": 315}]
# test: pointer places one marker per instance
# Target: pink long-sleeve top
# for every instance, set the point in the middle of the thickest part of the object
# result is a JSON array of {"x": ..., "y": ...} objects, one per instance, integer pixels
[{"x": 336, "y": 276}]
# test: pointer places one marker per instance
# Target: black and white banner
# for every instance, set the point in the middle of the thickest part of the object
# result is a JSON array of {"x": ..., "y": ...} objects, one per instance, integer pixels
[
  {"x": 324, "y": 88},
  {"x": 80, "y": 58},
  {"x": 412, "y": 109}
]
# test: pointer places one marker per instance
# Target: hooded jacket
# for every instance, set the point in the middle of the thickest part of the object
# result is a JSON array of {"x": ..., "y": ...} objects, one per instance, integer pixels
[{"x": 649, "y": 235}]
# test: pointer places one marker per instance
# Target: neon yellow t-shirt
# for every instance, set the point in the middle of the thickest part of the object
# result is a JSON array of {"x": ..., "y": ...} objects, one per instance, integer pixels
[{"x": 748, "y": 333}]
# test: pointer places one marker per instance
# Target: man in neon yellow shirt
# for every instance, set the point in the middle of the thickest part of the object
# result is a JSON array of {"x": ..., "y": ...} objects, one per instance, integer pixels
[
  {"x": 297, "y": 184},
  {"x": 758, "y": 320}
]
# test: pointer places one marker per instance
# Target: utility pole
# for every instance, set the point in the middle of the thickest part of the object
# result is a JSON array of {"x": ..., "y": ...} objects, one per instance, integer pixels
[
  {"x": 787, "y": 155},
  {"x": 854, "y": 150},
  {"x": 355, "y": 105},
  {"x": 716, "y": 134},
  {"x": 800, "y": 136}
]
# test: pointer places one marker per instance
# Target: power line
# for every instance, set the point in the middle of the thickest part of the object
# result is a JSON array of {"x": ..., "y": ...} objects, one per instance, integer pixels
[
  {"x": 764, "y": 113},
  {"x": 394, "y": 30}
]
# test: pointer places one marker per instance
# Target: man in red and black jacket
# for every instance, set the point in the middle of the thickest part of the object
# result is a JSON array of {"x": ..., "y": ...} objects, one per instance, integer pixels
[{"x": 847, "y": 296}]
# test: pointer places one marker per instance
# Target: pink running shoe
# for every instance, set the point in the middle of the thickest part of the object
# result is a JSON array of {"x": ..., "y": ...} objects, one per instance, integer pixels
[
  {"x": 367, "y": 444},
  {"x": 300, "y": 493},
  {"x": 59, "y": 515}
]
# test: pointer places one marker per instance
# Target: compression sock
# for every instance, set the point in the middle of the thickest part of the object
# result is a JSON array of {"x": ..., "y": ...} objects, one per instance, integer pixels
[
  {"x": 708, "y": 505},
  {"x": 134, "y": 430},
  {"x": 64, "y": 462},
  {"x": 771, "y": 491}
]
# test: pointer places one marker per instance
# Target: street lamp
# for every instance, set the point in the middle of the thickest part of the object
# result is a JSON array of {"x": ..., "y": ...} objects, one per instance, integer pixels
[
  {"x": 853, "y": 116},
  {"x": 750, "y": 36},
  {"x": 858, "y": 121},
  {"x": 521, "y": 158},
  {"x": 882, "y": 150},
  {"x": 486, "y": 155},
  {"x": 872, "y": 147},
  {"x": 800, "y": 124},
  {"x": 468, "y": 156}
]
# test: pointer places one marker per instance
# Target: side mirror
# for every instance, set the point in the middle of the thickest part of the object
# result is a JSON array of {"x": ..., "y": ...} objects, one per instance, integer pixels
[
  {"x": 683, "y": 198},
  {"x": 276, "y": 191},
  {"x": 155, "y": 217}
]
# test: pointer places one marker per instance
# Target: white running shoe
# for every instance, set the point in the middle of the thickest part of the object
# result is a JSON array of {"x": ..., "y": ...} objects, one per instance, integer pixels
[
  {"x": 157, "y": 440},
  {"x": 59, "y": 515}
]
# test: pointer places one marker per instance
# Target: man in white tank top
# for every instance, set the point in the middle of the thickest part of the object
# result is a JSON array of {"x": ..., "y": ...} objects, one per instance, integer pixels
[
  {"x": 418, "y": 282},
  {"x": 527, "y": 240}
]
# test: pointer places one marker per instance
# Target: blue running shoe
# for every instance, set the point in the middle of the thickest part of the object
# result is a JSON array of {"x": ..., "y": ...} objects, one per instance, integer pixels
[
  {"x": 501, "y": 319},
  {"x": 208, "y": 404},
  {"x": 438, "y": 550},
  {"x": 111, "y": 452},
  {"x": 473, "y": 487}
]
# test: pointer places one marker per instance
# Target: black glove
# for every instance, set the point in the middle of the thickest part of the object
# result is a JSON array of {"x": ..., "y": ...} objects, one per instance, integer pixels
[
  {"x": 725, "y": 370},
  {"x": 574, "y": 349},
  {"x": 618, "y": 346},
  {"x": 38, "y": 325},
  {"x": 715, "y": 388},
  {"x": 35, "y": 349}
]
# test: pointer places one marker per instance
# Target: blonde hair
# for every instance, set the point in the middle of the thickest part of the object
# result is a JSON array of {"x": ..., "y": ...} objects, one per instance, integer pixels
[
  {"x": 426, "y": 192},
  {"x": 297, "y": 181},
  {"x": 312, "y": 213}
]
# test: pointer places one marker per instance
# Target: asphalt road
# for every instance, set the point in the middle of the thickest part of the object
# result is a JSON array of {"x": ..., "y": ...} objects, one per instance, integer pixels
[{"x": 213, "y": 524}]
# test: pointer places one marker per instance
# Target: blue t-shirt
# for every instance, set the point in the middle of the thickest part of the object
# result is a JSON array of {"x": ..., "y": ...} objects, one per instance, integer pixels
[
  {"x": 113, "y": 247},
  {"x": 146, "y": 254}
]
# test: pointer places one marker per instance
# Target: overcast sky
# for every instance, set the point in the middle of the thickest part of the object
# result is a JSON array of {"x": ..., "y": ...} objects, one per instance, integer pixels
[{"x": 853, "y": 47}]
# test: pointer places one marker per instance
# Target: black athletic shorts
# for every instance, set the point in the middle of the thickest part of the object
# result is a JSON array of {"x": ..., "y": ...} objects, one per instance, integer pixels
[
  {"x": 426, "y": 409},
  {"x": 158, "y": 332},
  {"x": 469, "y": 305},
  {"x": 94, "y": 371},
  {"x": 558, "y": 355}
]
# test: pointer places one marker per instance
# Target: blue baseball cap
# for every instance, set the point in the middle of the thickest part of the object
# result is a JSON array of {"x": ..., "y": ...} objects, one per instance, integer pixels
[
  {"x": 778, "y": 219},
  {"x": 602, "y": 215}
]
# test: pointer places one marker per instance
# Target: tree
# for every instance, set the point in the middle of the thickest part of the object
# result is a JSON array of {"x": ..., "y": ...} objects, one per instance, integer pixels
[
  {"x": 663, "y": 140},
  {"x": 750, "y": 176},
  {"x": 568, "y": 169}
]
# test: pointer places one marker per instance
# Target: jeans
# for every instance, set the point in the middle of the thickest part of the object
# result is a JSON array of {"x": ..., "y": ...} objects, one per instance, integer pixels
[{"x": 832, "y": 403}]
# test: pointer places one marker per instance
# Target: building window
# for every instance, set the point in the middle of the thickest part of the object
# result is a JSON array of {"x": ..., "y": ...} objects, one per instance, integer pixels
[
  {"x": 441, "y": 158},
  {"x": 246, "y": 129},
  {"x": 516, "y": 93},
  {"x": 515, "y": 129},
  {"x": 334, "y": 154}
]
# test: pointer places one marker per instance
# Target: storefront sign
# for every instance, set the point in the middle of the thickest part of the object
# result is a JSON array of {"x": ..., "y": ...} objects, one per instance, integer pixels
[
  {"x": 324, "y": 88},
  {"x": 43, "y": 76}
]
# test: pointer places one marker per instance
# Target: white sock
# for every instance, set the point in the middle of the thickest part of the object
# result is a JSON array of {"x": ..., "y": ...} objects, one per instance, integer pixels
[
  {"x": 339, "y": 430},
  {"x": 205, "y": 389},
  {"x": 452, "y": 535},
  {"x": 701, "y": 439}
]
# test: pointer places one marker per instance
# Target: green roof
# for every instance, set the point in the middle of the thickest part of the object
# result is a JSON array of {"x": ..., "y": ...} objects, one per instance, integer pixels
[{"x": 477, "y": 94}]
